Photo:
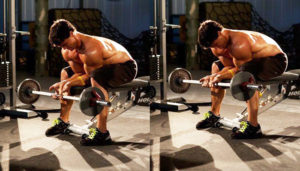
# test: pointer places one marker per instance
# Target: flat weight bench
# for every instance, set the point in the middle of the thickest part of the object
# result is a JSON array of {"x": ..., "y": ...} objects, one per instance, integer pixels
[
  {"x": 286, "y": 76},
  {"x": 286, "y": 80}
]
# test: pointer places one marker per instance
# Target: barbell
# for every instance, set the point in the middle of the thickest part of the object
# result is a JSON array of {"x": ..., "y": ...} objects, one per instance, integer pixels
[
  {"x": 242, "y": 85},
  {"x": 90, "y": 100}
]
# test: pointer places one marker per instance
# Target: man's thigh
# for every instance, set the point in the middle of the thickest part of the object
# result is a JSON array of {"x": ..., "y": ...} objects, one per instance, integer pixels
[
  {"x": 114, "y": 75},
  {"x": 266, "y": 68}
]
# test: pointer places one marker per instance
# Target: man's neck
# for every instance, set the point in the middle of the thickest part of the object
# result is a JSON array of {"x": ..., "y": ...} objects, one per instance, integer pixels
[
  {"x": 80, "y": 43},
  {"x": 226, "y": 34}
]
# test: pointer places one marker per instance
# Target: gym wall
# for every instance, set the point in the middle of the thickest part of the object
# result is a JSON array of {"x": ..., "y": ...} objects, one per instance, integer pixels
[
  {"x": 130, "y": 17},
  {"x": 242, "y": 15},
  {"x": 280, "y": 14}
]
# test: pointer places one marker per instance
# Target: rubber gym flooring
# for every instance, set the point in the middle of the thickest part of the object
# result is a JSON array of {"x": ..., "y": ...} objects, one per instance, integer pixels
[
  {"x": 24, "y": 146},
  {"x": 177, "y": 145}
]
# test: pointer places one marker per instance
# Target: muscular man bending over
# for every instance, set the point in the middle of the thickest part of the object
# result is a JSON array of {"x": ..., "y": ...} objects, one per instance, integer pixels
[
  {"x": 238, "y": 50},
  {"x": 94, "y": 61}
]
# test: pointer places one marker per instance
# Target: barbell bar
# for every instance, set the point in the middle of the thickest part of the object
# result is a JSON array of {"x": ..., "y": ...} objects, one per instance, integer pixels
[
  {"x": 225, "y": 85},
  {"x": 242, "y": 85},
  {"x": 101, "y": 102},
  {"x": 90, "y": 100}
]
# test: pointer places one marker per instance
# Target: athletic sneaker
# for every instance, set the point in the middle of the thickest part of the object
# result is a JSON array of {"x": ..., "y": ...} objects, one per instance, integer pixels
[
  {"x": 59, "y": 126},
  {"x": 96, "y": 138},
  {"x": 247, "y": 131},
  {"x": 209, "y": 120}
]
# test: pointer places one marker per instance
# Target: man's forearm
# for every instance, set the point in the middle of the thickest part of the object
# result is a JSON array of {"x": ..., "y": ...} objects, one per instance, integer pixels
[
  {"x": 227, "y": 72},
  {"x": 78, "y": 79},
  {"x": 74, "y": 76}
]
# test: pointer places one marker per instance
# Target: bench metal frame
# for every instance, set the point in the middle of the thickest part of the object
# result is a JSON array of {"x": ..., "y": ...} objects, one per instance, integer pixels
[
  {"x": 283, "y": 80},
  {"x": 114, "y": 110}
]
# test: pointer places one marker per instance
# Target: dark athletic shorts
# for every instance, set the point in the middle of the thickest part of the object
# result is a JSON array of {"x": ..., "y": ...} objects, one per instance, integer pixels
[
  {"x": 114, "y": 75},
  {"x": 263, "y": 68}
]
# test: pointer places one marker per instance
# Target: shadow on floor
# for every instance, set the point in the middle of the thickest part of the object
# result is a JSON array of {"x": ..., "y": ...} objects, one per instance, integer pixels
[
  {"x": 33, "y": 159},
  {"x": 247, "y": 150},
  {"x": 98, "y": 156},
  {"x": 172, "y": 158}
]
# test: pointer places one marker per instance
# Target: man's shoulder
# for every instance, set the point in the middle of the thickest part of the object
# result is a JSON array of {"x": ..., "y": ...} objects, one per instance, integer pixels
[{"x": 238, "y": 38}]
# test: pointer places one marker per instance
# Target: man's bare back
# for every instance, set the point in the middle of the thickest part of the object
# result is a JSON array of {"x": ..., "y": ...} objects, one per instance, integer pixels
[
  {"x": 95, "y": 52},
  {"x": 246, "y": 45},
  {"x": 91, "y": 57}
]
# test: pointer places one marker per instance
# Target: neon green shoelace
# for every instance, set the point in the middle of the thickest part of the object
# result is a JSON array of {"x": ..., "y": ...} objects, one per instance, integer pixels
[
  {"x": 93, "y": 132},
  {"x": 244, "y": 126},
  {"x": 206, "y": 115},
  {"x": 56, "y": 122}
]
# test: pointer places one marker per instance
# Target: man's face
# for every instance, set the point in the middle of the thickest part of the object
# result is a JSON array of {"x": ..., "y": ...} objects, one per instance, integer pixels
[
  {"x": 70, "y": 43},
  {"x": 219, "y": 42}
]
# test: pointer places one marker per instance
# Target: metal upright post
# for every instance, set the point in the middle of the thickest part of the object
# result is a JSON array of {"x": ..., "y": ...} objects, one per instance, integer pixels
[
  {"x": 4, "y": 16},
  {"x": 163, "y": 48},
  {"x": 4, "y": 26},
  {"x": 155, "y": 26},
  {"x": 12, "y": 50}
]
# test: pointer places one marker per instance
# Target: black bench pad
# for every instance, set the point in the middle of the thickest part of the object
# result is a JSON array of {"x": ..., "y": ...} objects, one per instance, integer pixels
[
  {"x": 286, "y": 76},
  {"x": 137, "y": 82}
]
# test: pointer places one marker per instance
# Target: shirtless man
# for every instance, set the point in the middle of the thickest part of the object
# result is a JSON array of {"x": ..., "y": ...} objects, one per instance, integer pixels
[
  {"x": 238, "y": 50},
  {"x": 93, "y": 61}
]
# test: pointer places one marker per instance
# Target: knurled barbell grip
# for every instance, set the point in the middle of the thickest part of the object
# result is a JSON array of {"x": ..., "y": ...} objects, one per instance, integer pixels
[
  {"x": 192, "y": 81},
  {"x": 221, "y": 84},
  {"x": 68, "y": 97},
  {"x": 53, "y": 94}
]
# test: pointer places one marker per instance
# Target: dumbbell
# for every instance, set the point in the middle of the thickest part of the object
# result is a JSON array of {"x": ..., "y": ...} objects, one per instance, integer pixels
[
  {"x": 242, "y": 85},
  {"x": 90, "y": 100}
]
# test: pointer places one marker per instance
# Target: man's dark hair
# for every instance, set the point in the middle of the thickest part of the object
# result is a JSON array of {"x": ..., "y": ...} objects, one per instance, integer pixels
[
  {"x": 208, "y": 32},
  {"x": 59, "y": 31}
]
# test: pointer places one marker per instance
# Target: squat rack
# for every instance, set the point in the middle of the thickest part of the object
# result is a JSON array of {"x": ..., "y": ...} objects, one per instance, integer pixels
[
  {"x": 166, "y": 104},
  {"x": 11, "y": 37},
  {"x": 163, "y": 42}
]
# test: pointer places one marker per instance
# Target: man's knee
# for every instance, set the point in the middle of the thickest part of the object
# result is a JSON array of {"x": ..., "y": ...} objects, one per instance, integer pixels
[
  {"x": 214, "y": 68},
  {"x": 94, "y": 83},
  {"x": 64, "y": 74}
]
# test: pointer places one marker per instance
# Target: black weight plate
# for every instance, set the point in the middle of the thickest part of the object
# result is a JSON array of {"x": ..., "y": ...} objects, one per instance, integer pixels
[
  {"x": 24, "y": 91},
  {"x": 175, "y": 80},
  {"x": 86, "y": 104},
  {"x": 238, "y": 87}
]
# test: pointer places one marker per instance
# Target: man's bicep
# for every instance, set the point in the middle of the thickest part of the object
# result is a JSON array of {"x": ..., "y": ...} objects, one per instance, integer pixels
[{"x": 226, "y": 61}]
